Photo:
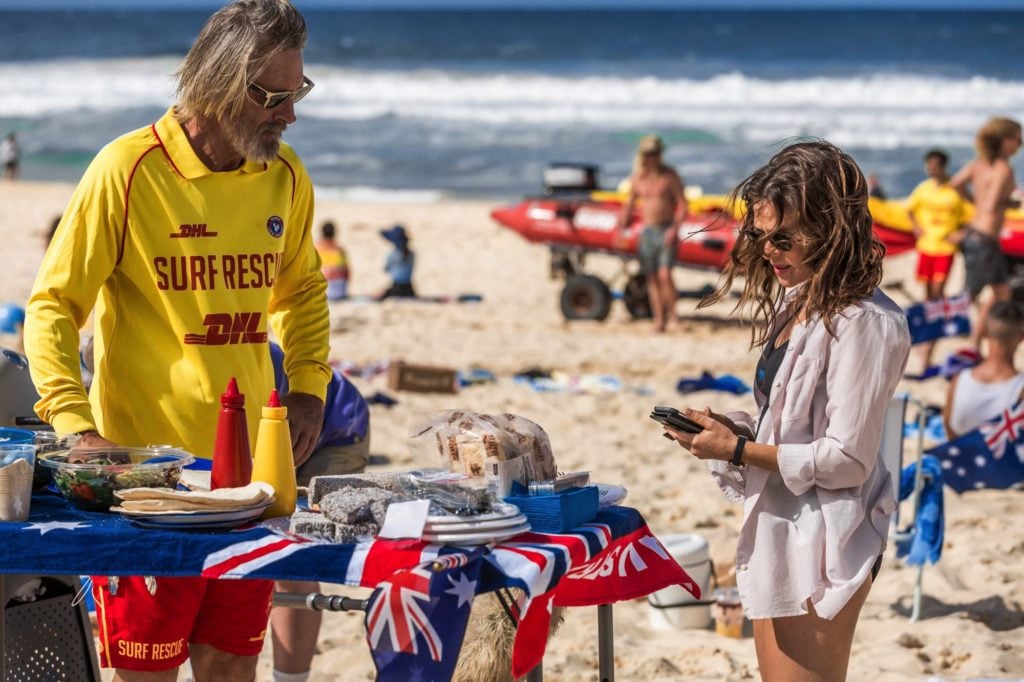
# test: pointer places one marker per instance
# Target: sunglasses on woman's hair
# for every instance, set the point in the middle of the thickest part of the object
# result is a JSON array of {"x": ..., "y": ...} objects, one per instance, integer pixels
[
  {"x": 783, "y": 241},
  {"x": 270, "y": 100}
]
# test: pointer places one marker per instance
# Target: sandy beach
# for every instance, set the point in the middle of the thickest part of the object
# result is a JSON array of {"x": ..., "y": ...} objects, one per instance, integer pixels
[{"x": 972, "y": 610}]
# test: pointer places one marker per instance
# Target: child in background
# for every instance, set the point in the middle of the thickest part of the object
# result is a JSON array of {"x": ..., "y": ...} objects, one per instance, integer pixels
[
  {"x": 937, "y": 214},
  {"x": 333, "y": 262},
  {"x": 399, "y": 264}
]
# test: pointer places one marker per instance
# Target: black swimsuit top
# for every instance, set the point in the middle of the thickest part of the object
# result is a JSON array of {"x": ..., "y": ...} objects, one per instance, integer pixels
[{"x": 768, "y": 364}]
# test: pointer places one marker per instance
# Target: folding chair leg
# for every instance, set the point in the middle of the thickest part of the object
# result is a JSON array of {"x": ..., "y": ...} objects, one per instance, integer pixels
[{"x": 916, "y": 611}]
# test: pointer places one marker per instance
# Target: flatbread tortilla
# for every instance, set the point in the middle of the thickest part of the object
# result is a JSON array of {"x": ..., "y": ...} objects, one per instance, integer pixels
[{"x": 222, "y": 498}]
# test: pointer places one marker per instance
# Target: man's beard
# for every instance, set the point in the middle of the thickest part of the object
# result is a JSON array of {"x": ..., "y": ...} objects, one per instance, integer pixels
[{"x": 252, "y": 141}]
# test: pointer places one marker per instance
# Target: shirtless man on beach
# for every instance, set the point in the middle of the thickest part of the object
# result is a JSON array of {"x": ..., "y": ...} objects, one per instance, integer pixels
[
  {"x": 991, "y": 181},
  {"x": 663, "y": 207}
]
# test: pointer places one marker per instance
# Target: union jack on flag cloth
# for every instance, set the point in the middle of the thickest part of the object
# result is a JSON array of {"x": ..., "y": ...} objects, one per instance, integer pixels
[
  {"x": 937, "y": 319},
  {"x": 417, "y": 613},
  {"x": 991, "y": 456}
]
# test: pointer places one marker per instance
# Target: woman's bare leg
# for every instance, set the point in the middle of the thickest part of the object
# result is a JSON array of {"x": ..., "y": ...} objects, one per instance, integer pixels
[{"x": 808, "y": 648}]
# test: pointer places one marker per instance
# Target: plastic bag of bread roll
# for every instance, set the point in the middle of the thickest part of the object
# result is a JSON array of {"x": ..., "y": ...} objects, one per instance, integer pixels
[{"x": 465, "y": 441}]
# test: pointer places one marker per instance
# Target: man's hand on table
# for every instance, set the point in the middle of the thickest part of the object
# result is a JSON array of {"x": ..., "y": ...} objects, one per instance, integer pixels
[
  {"x": 305, "y": 419},
  {"x": 93, "y": 439}
]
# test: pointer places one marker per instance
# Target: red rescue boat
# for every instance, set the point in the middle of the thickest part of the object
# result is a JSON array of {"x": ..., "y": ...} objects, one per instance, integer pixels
[{"x": 574, "y": 218}]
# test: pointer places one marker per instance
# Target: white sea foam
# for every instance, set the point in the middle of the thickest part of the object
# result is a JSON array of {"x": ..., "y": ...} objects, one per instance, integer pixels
[
  {"x": 880, "y": 111},
  {"x": 380, "y": 195}
]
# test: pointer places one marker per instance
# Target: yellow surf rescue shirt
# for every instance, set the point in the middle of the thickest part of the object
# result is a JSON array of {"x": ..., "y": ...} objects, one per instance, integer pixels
[
  {"x": 188, "y": 269},
  {"x": 939, "y": 211}
]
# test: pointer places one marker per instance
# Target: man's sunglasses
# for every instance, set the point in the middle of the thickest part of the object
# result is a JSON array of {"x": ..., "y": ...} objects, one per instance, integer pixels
[
  {"x": 270, "y": 100},
  {"x": 783, "y": 241}
]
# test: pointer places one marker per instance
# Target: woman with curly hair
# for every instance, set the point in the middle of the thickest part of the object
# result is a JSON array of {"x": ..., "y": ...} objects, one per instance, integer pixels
[{"x": 816, "y": 497}]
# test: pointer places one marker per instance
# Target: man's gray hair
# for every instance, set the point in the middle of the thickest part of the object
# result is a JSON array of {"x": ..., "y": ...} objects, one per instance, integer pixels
[{"x": 233, "y": 48}]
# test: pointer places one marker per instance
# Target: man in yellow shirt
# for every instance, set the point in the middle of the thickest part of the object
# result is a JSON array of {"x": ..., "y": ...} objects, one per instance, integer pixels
[
  {"x": 192, "y": 239},
  {"x": 936, "y": 214}
]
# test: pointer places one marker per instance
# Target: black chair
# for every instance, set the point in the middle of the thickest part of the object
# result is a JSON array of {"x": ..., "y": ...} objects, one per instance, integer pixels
[{"x": 47, "y": 639}]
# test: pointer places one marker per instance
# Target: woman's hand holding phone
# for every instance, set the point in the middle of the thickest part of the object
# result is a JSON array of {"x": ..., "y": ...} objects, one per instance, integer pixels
[{"x": 715, "y": 440}]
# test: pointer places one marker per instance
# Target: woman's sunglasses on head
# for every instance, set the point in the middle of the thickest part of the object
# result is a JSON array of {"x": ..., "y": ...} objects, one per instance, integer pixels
[
  {"x": 270, "y": 100},
  {"x": 783, "y": 241}
]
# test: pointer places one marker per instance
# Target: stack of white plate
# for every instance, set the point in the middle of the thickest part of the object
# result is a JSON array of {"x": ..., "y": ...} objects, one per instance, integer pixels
[
  {"x": 231, "y": 517},
  {"x": 502, "y": 523}
]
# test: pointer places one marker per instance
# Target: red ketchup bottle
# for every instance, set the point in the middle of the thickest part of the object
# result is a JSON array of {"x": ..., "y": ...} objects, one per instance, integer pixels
[{"x": 232, "y": 459}]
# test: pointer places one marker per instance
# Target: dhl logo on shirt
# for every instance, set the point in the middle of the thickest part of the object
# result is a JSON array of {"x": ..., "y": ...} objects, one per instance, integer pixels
[
  {"x": 224, "y": 329},
  {"x": 190, "y": 230}
]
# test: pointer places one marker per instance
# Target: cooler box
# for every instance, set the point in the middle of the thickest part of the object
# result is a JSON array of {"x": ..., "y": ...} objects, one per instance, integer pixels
[{"x": 674, "y": 607}]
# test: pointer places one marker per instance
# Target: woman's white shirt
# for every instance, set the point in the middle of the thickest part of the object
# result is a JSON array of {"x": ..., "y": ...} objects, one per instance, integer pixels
[{"x": 813, "y": 530}]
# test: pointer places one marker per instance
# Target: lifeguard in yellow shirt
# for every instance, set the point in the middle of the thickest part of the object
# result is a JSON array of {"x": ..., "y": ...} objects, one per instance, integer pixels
[
  {"x": 192, "y": 240},
  {"x": 937, "y": 215}
]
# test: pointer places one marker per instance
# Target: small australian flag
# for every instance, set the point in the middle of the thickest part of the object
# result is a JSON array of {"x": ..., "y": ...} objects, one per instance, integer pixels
[
  {"x": 991, "y": 456},
  {"x": 938, "y": 319}
]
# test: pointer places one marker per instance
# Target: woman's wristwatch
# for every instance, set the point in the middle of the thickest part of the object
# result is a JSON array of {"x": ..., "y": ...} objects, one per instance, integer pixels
[{"x": 737, "y": 454}]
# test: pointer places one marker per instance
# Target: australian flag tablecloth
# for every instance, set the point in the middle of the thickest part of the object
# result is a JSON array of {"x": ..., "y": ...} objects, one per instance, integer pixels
[{"x": 417, "y": 614}]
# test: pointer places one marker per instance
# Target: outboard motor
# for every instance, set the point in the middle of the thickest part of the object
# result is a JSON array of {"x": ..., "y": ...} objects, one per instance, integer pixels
[{"x": 566, "y": 178}]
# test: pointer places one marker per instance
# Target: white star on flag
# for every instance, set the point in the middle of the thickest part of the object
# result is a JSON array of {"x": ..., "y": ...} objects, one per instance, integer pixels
[
  {"x": 45, "y": 528},
  {"x": 464, "y": 588}
]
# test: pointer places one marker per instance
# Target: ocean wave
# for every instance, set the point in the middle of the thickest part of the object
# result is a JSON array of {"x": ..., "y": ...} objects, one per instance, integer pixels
[{"x": 883, "y": 110}]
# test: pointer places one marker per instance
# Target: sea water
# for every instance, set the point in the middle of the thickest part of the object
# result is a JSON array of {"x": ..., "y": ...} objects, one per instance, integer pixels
[{"x": 415, "y": 105}]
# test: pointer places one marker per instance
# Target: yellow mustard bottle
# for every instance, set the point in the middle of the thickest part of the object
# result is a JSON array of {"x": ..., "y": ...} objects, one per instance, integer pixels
[{"x": 273, "y": 462}]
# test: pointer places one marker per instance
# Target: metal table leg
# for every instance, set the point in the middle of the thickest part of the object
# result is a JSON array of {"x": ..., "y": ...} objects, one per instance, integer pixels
[
  {"x": 3, "y": 634},
  {"x": 606, "y": 642}
]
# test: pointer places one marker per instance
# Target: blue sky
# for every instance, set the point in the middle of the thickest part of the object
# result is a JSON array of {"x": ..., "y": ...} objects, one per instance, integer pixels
[{"x": 549, "y": 4}]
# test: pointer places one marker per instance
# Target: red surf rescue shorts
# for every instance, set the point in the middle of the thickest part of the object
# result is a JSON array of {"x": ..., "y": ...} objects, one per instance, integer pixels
[
  {"x": 149, "y": 633},
  {"x": 933, "y": 268}
]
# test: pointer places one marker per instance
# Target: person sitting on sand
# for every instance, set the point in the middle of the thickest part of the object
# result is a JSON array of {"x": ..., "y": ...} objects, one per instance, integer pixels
[
  {"x": 333, "y": 262},
  {"x": 817, "y": 499},
  {"x": 660, "y": 190},
  {"x": 399, "y": 264},
  {"x": 979, "y": 393}
]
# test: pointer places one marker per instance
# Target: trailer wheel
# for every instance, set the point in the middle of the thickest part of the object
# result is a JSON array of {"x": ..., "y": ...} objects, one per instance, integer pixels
[
  {"x": 635, "y": 297},
  {"x": 585, "y": 297}
]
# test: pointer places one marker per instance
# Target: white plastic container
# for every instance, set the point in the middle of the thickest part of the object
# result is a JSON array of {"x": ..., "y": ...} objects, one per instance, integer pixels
[{"x": 674, "y": 607}]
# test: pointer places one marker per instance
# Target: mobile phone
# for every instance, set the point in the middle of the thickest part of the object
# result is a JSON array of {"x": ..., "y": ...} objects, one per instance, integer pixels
[{"x": 670, "y": 416}]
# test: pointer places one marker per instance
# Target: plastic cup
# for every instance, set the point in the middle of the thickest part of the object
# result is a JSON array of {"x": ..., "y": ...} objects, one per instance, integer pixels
[
  {"x": 728, "y": 612},
  {"x": 16, "y": 467},
  {"x": 12, "y": 435}
]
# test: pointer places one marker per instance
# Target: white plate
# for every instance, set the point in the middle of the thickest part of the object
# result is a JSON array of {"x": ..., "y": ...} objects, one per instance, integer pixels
[
  {"x": 472, "y": 525},
  {"x": 502, "y": 510},
  {"x": 472, "y": 539},
  {"x": 609, "y": 495},
  {"x": 192, "y": 519},
  {"x": 195, "y": 525}
]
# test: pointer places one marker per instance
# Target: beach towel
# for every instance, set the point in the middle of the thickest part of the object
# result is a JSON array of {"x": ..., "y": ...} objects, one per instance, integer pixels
[
  {"x": 924, "y": 542},
  {"x": 709, "y": 382}
]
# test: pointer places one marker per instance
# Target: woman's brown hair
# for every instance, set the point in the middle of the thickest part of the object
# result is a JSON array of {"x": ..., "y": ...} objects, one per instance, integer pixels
[{"x": 824, "y": 190}]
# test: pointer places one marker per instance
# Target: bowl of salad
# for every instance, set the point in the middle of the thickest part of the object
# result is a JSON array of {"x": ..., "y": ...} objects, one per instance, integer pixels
[{"x": 88, "y": 477}]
